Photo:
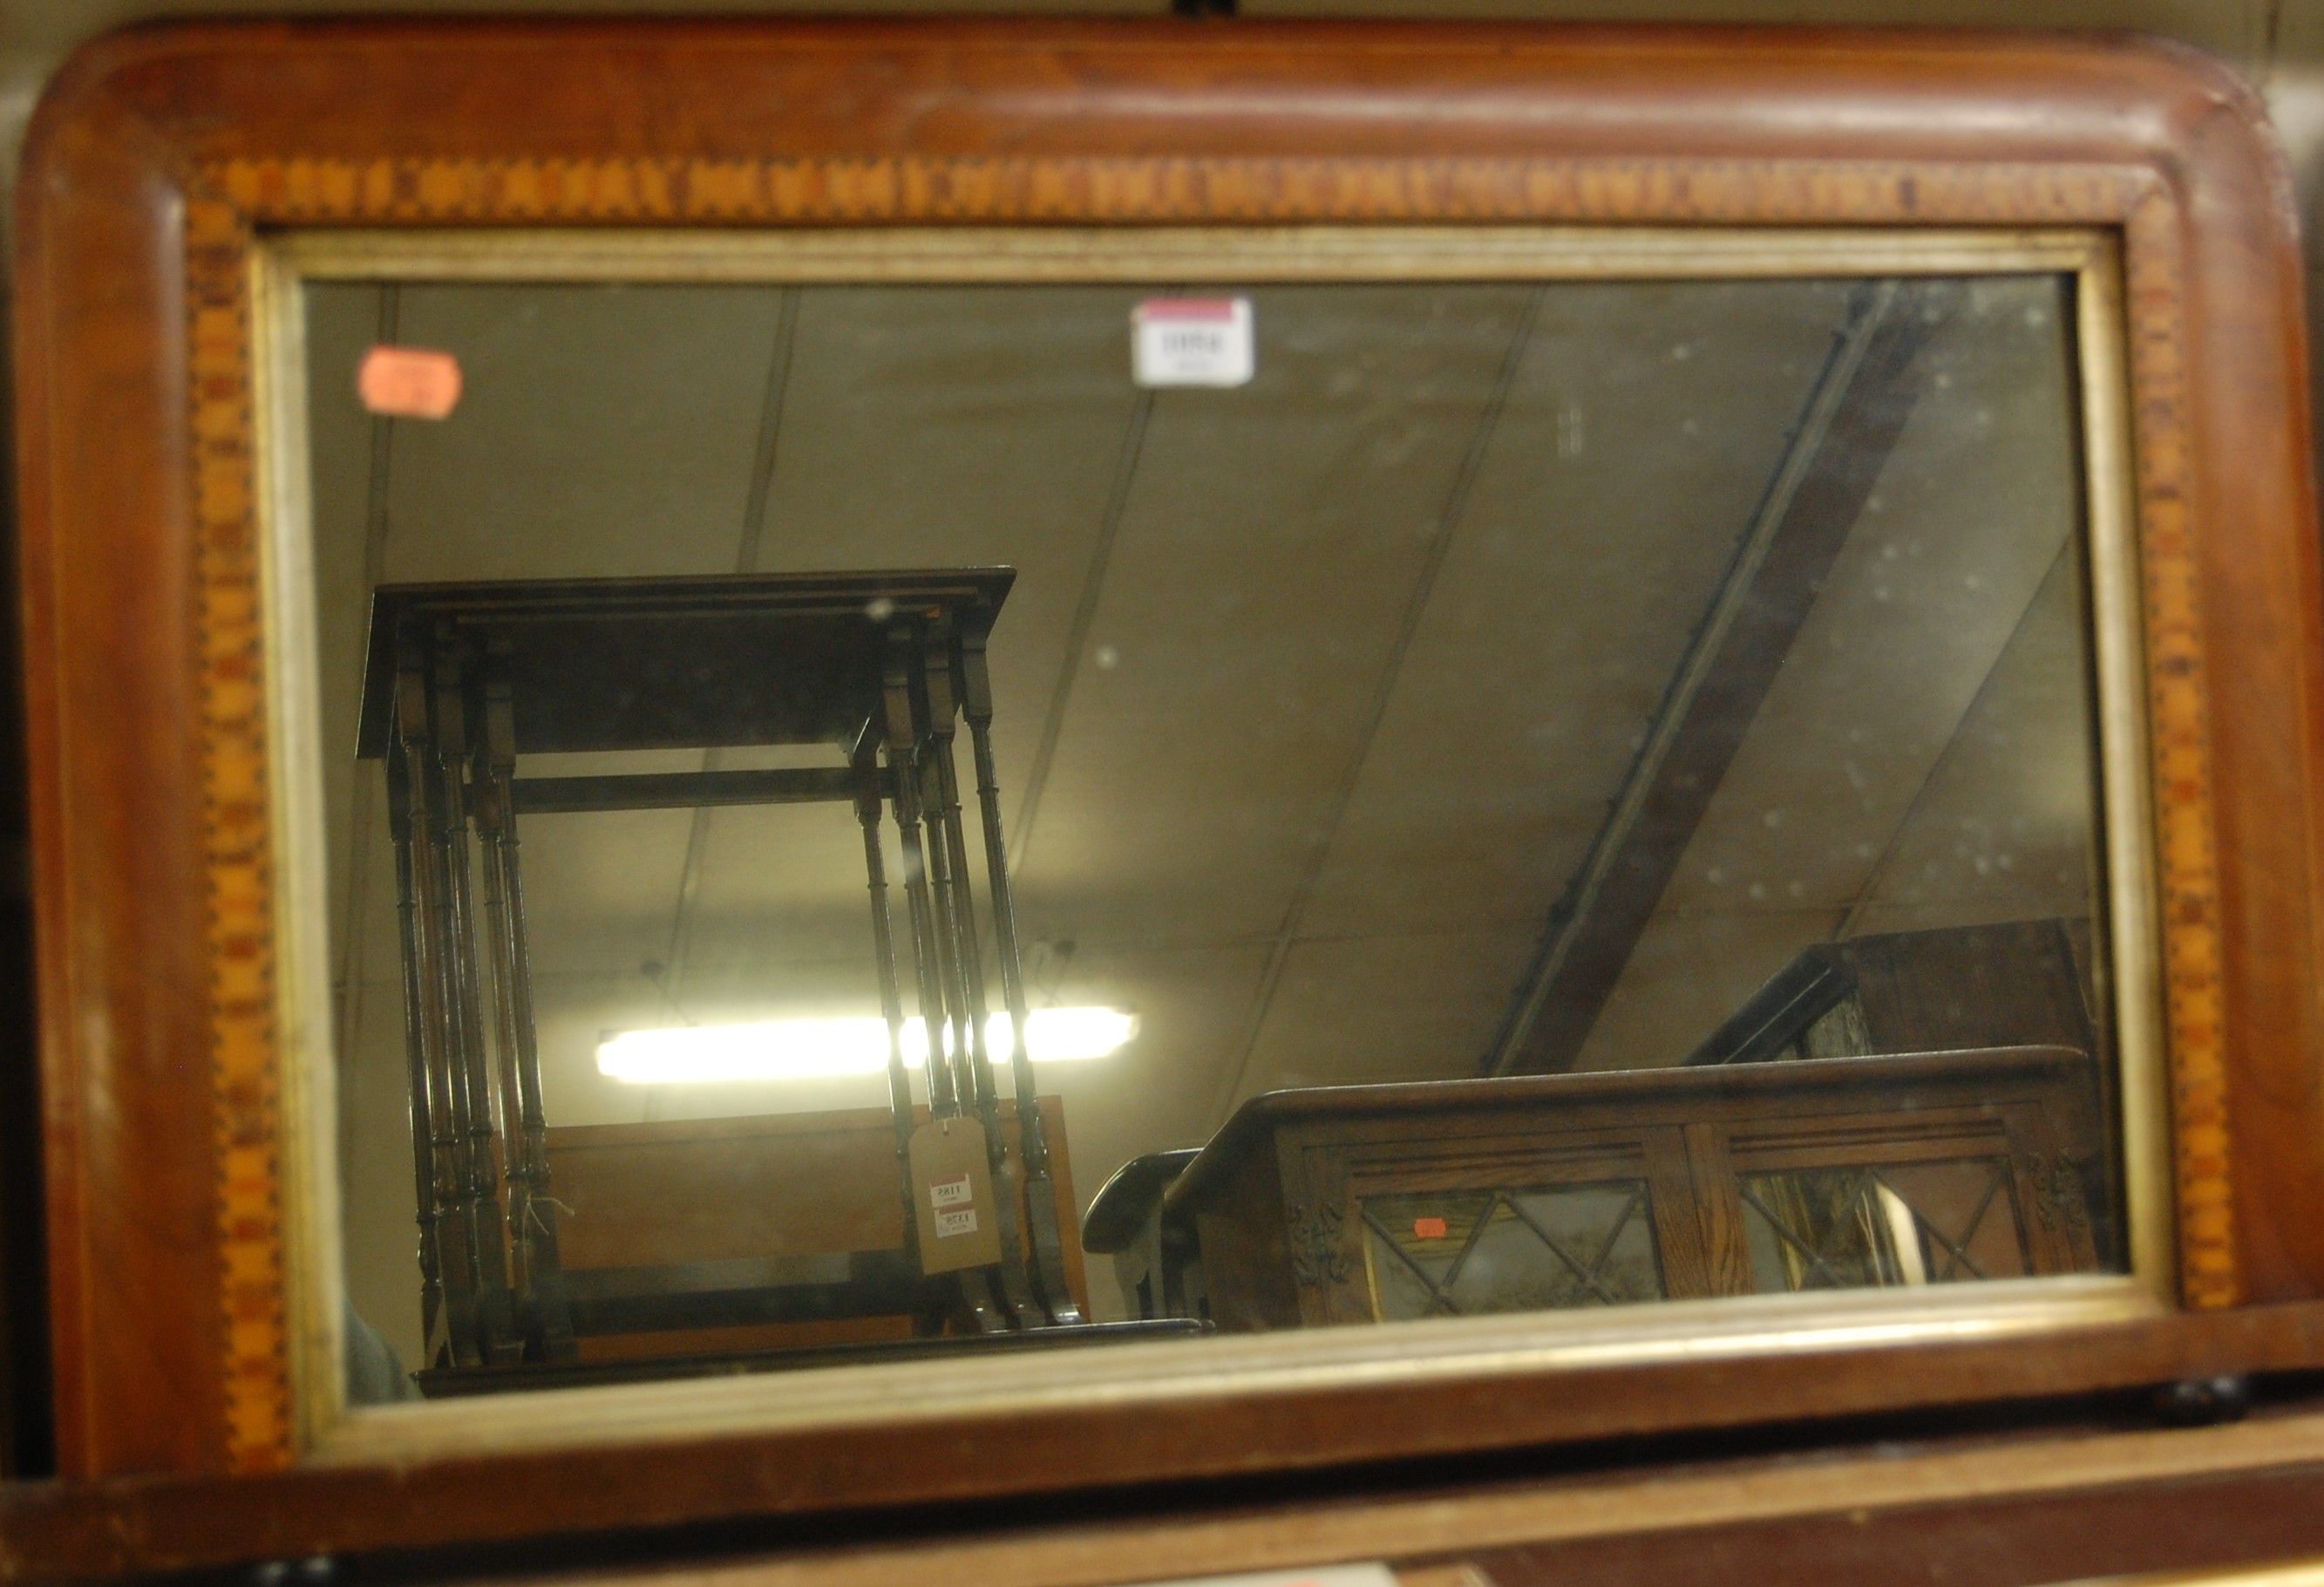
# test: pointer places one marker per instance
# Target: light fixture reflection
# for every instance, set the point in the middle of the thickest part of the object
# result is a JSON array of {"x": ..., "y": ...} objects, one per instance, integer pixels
[{"x": 811, "y": 1049}]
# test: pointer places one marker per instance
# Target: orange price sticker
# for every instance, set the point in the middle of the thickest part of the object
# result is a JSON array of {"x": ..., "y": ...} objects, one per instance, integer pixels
[
  {"x": 408, "y": 383},
  {"x": 1428, "y": 1228}
]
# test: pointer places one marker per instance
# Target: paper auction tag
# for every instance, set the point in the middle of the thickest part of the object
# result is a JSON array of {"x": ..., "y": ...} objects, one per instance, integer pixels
[
  {"x": 1372, "y": 1574},
  {"x": 952, "y": 1196},
  {"x": 1192, "y": 342}
]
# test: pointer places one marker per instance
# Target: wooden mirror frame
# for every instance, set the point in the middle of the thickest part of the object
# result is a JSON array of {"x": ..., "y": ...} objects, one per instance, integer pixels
[{"x": 162, "y": 154}]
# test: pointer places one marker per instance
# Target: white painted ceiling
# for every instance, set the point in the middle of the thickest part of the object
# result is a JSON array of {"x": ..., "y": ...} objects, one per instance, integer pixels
[{"x": 1312, "y": 693}]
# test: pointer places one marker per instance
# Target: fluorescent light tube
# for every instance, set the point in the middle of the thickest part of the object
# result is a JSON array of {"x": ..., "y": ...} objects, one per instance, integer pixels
[{"x": 809, "y": 1049}]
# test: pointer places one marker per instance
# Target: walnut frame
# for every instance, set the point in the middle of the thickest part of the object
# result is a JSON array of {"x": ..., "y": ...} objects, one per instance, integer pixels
[{"x": 161, "y": 158}]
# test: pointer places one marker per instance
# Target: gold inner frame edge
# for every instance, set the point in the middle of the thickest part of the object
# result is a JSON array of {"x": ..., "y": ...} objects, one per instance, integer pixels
[{"x": 1442, "y": 1349}]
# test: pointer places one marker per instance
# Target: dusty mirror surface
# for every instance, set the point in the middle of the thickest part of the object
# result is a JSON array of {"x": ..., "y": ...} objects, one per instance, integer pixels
[{"x": 1513, "y": 796}]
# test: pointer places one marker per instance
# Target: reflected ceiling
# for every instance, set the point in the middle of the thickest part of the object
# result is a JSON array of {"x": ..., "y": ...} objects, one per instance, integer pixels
[{"x": 1313, "y": 694}]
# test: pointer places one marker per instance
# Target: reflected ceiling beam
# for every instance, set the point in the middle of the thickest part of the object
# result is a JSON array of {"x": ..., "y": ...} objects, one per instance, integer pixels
[
  {"x": 755, "y": 498},
  {"x": 1847, "y": 430},
  {"x": 1448, "y": 521}
]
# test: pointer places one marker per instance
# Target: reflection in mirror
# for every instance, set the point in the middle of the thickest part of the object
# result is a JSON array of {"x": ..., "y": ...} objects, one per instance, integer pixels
[{"x": 1507, "y": 797}]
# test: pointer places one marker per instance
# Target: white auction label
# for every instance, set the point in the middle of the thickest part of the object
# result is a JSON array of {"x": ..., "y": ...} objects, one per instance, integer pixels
[
  {"x": 949, "y": 1224},
  {"x": 1364, "y": 1575},
  {"x": 950, "y": 1193},
  {"x": 1192, "y": 342}
]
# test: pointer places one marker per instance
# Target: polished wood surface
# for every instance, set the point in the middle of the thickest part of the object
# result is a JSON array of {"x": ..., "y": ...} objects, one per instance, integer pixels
[
  {"x": 2101, "y": 1501},
  {"x": 2096, "y": 1499},
  {"x": 1621, "y": 1491},
  {"x": 158, "y": 152}
]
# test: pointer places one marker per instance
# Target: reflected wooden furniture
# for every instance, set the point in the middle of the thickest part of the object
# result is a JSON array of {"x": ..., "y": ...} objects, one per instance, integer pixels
[
  {"x": 2008, "y": 983},
  {"x": 2018, "y": 982},
  {"x": 698, "y": 1247},
  {"x": 878, "y": 669},
  {"x": 1157, "y": 1263},
  {"x": 725, "y": 1199},
  {"x": 1375, "y": 1203}
]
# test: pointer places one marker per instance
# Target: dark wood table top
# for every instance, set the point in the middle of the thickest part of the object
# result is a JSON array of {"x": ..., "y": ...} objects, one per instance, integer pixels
[{"x": 682, "y": 662}]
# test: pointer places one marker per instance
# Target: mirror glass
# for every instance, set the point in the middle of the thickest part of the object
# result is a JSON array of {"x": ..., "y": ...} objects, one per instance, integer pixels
[{"x": 1511, "y": 796}]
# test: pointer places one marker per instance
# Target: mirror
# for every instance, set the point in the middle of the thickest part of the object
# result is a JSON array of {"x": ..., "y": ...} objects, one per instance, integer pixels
[{"x": 1514, "y": 795}]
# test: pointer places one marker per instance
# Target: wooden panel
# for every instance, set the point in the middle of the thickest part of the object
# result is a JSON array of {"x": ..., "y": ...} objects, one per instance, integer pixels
[
  {"x": 120, "y": 901},
  {"x": 1726, "y": 1255},
  {"x": 2017, "y": 984},
  {"x": 713, "y": 1189},
  {"x": 2029, "y": 981},
  {"x": 1603, "y": 1109},
  {"x": 707, "y": 1190},
  {"x": 1253, "y": 1236},
  {"x": 1681, "y": 1235}
]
